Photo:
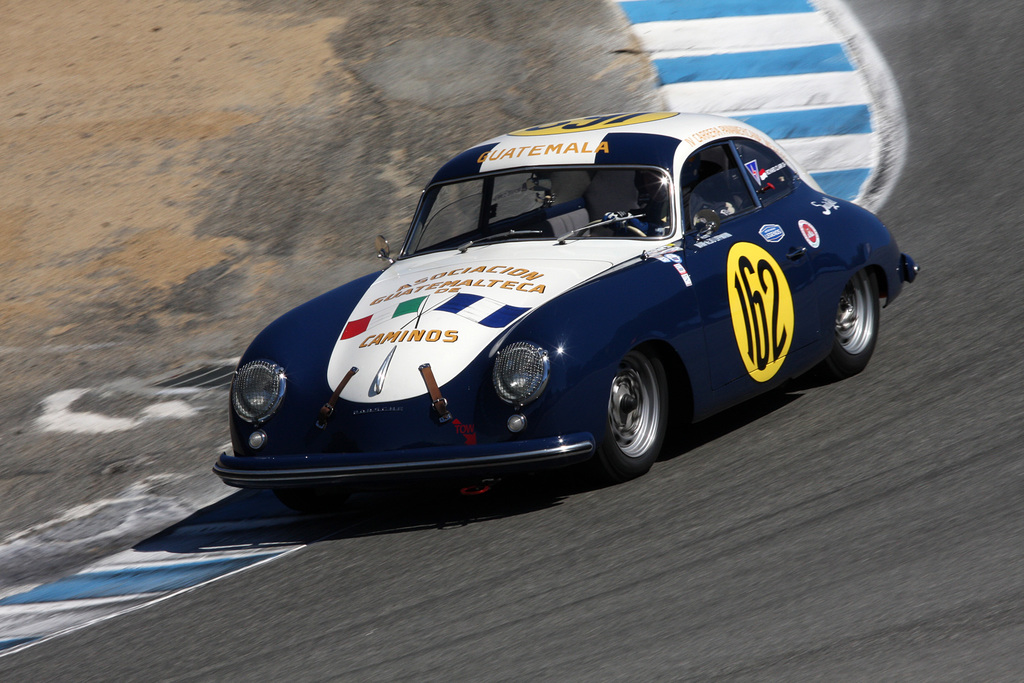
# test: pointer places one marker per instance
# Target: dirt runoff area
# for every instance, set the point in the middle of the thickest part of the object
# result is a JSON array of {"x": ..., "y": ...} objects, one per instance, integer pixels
[{"x": 175, "y": 174}]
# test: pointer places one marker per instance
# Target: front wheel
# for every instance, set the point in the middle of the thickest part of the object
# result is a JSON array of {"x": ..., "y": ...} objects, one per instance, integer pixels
[
  {"x": 856, "y": 328},
  {"x": 637, "y": 416},
  {"x": 319, "y": 499}
]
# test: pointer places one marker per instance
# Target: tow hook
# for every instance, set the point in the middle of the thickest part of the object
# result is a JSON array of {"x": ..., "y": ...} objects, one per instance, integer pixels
[{"x": 478, "y": 489}]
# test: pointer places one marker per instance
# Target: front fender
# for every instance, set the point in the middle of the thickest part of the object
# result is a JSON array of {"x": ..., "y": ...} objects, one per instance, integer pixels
[
  {"x": 301, "y": 342},
  {"x": 589, "y": 329}
]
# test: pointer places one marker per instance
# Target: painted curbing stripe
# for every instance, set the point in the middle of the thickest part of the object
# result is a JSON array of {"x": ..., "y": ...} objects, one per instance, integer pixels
[
  {"x": 732, "y": 34},
  {"x": 13, "y": 642},
  {"x": 132, "y": 581},
  {"x": 804, "y": 71},
  {"x": 832, "y": 153},
  {"x": 845, "y": 183},
  {"x": 773, "y": 93},
  {"x": 242, "y": 531},
  {"x": 41, "y": 619},
  {"x": 42, "y": 608},
  {"x": 814, "y": 59},
  {"x": 640, "y": 11},
  {"x": 810, "y": 123}
]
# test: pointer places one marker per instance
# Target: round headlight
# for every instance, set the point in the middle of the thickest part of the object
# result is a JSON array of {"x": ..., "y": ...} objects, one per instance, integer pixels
[
  {"x": 521, "y": 372},
  {"x": 257, "y": 390}
]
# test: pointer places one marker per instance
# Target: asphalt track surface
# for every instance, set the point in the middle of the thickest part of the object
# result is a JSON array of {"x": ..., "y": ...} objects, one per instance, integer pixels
[{"x": 864, "y": 530}]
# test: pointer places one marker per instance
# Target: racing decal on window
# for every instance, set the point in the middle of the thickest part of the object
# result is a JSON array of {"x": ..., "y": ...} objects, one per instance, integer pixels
[
  {"x": 761, "y": 307},
  {"x": 590, "y": 123},
  {"x": 810, "y": 234},
  {"x": 771, "y": 233},
  {"x": 827, "y": 205},
  {"x": 752, "y": 167}
]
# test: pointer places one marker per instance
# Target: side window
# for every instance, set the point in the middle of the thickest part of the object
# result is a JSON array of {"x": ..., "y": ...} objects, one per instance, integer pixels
[
  {"x": 772, "y": 177},
  {"x": 710, "y": 179}
]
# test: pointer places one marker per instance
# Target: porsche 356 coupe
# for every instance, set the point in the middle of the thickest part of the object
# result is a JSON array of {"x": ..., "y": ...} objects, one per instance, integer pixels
[{"x": 568, "y": 292}]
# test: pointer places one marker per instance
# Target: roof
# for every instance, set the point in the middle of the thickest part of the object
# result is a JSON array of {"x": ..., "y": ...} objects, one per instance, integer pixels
[{"x": 645, "y": 138}]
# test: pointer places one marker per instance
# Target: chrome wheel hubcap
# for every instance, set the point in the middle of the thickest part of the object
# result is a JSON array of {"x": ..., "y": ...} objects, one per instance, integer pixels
[
  {"x": 633, "y": 407},
  {"x": 854, "y": 323}
]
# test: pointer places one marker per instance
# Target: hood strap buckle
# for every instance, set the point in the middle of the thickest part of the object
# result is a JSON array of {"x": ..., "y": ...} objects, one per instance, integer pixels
[
  {"x": 438, "y": 401},
  {"x": 328, "y": 409}
]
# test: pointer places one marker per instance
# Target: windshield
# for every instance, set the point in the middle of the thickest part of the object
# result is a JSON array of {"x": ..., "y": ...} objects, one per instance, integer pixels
[{"x": 543, "y": 204}]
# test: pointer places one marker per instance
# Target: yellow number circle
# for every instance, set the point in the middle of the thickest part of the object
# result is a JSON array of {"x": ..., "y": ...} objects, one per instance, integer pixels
[
  {"x": 593, "y": 123},
  {"x": 761, "y": 306}
]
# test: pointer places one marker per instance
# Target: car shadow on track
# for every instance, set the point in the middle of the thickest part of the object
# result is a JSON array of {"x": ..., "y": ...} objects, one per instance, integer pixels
[
  {"x": 690, "y": 436},
  {"x": 249, "y": 521}
]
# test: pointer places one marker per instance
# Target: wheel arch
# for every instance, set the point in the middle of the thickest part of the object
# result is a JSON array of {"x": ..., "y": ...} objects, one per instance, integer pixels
[
  {"x": 680, "y": 389},
  {"x": 881, "y": 280}
]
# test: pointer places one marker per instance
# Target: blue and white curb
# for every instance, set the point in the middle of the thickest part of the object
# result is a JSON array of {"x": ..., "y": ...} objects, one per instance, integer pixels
[
  {"x": 242, "y": 531},
  {"x": 804, "y": 72}
]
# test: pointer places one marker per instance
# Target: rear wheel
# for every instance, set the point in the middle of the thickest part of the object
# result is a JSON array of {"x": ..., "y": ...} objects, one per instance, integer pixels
[
  {"x": 637, "y": 416},
  {"x": 856, "y": 328},
  {"x": 316, "y": 499}
]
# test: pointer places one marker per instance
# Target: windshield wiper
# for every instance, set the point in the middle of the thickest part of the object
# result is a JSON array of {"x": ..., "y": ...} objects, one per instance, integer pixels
[
  {"x": 593, "y": 224},
  {"x": 487, "y": 238}
]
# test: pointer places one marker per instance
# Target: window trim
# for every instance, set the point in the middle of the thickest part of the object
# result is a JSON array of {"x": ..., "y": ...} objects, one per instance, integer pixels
[{"x": 676, "y": 221}]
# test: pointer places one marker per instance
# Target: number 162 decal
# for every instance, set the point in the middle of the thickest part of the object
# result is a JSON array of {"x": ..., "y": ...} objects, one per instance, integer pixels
[{"x": 761, "y": 307}]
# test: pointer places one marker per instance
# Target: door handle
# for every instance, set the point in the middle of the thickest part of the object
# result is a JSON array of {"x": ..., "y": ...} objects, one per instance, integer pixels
[{"x": 794, "y": 254}]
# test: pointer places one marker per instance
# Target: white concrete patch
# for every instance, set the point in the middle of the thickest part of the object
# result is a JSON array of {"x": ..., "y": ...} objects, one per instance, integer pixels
[{"x": 58, "y": 415}]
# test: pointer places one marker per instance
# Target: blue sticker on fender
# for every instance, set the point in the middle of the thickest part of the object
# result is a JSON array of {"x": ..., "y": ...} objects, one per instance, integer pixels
[{"x": 771, "y": 232}]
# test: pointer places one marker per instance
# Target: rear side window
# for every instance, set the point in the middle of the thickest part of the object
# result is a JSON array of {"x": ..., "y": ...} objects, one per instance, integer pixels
[
  {"x": 710, "y": 179},
  {"x": 773, "y": 178}
]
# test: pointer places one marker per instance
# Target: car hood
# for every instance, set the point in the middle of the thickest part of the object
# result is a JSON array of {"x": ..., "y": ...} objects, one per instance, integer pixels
[{"x": 446, "y": 308}]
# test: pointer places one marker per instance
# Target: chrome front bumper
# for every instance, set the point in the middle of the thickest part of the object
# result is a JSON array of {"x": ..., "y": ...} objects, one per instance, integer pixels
[{"x": 324, "y": 469}]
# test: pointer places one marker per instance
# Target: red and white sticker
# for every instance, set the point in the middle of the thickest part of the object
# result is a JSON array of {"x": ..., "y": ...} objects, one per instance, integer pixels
[
  {"x": 810, "y": 234},
  {"x": 683, "y": 274}
]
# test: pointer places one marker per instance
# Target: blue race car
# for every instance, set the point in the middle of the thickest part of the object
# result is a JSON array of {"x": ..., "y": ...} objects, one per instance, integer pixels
[{"x": 566, "y": 293}]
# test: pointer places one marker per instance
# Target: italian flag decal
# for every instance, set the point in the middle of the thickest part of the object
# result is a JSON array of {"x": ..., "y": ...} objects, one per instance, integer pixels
[{"x": 356, "y": 327}]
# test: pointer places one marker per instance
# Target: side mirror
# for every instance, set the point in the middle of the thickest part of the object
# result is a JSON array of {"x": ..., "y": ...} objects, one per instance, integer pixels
[
  {"x": 383, "y": 250},
  {"x": 706, "y": 222}
]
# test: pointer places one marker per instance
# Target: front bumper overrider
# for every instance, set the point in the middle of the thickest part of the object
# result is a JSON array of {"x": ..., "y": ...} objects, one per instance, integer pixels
[{"x": 325, "y": 469}]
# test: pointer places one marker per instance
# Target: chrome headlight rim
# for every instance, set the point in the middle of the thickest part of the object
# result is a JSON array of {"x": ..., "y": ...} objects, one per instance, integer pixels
[
  {"x": 504, "y": 365},
  {"x": 257, "y": 412}
]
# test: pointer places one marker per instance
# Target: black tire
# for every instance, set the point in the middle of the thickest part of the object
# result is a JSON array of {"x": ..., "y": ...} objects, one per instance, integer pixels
[
  {"x": 856, "y": 328},
  {"x": 637, "y": 418},
  {"x": 319, "y": 499}
]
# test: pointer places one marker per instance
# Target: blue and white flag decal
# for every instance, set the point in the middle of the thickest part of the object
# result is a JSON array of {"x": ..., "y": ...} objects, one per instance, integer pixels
[
  {"x": 804, "y": 72},
  {"x": 487, "y": 312}
]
